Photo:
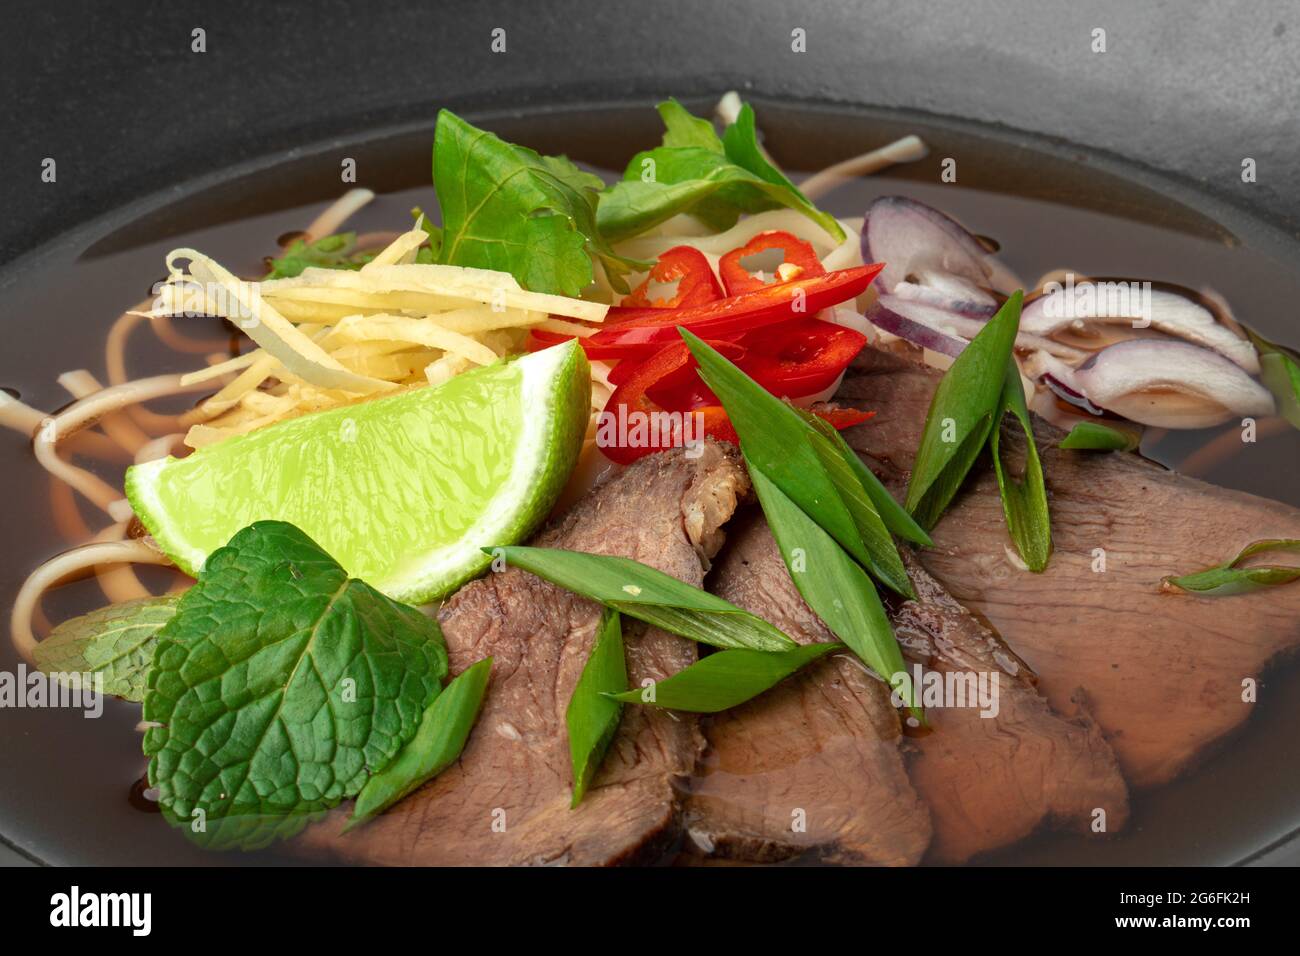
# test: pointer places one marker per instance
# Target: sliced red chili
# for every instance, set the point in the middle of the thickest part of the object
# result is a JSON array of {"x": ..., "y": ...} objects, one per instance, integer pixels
[
  {"x": 690, "y": 269},
  {"x": 626, "y": 368},
  {"x": 842, "y": 418},
  {"x": 633, "y": 424},
  {"x": 800, "y": 262},
  {"x": 800, "y": 358},
  {"x": 633, "y": 329}
]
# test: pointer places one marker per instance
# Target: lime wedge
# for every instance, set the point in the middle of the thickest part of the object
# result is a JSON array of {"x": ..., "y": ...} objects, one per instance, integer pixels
[{"x": 402, "y": 491}]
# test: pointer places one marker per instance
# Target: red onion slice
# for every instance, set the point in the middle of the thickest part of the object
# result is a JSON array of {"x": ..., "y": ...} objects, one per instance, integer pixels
[
  {"x": 1169, "y": 384},
  {"x": 947, "y": 332},
  {"x": 1083, "y": 313},
  {"x": 921, "y": 245}
]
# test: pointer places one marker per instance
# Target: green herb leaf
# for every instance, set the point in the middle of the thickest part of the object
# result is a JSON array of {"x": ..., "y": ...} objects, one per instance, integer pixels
[
  {"x": 1023, "y": 502},
  {"x": 835, "y": 587},
  {"x": 649, "y": 595},
  {"x": 1281, "y": 375},
  {"x": 592, "y": 717},
  {"x": 1094, "y": 436},
  {"x": 505, "y": 207},
  {"x": 279, "y": 686},
  {"x": 776, "y": 440},
  {"x": 427, "y": 255},
  {"x": 694, "y": 172},
  {"x": 338, "y": 251},
  {"x": 962, "y": 413},
  {"x": 1279, "y": 369},
  {"x": 116, "y": 641},
  {"x": 725, "y": 679},
  {"x": 1229, "y": 578},
  {"x": 437, "y": 744},
  {"x": 681, "y": 128},
  {"x": 894, "y": 515}
]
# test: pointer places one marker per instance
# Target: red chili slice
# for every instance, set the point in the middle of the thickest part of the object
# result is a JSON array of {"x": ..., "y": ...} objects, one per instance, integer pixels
[
  {"x": 798, "y": 254},
  {"x": 632, "y": 424},
  {"x": 800, "y": 358},
  {"x": 633, "y": 329},
  {"x": 696, "y": 283},
  {"x": 624, "y": 369}
]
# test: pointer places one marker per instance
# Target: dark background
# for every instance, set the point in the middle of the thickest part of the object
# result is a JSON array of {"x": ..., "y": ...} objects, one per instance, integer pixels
[{"x": 114, "y": 94}]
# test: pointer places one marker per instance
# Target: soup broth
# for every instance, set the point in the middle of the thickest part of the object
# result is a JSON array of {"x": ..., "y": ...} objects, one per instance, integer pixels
[{"x": 72, "y": 790}]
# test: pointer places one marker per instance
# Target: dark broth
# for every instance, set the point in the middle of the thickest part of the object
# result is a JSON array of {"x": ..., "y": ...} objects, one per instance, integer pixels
[{"x": 70, "y": 788}]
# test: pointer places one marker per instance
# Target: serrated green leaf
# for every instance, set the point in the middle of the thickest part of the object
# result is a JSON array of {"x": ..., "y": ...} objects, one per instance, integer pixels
[
  {"x": 592, "y": 717},
  {"x": 279, "y": 686},
  {"x": 1024, "y": 502},
  {"x": 1094, "y": 436},
  {"x": 507, "y": 208},
  {"x": 1229, "y": 578},
  {"x": 725, "y": 679},
  {"x": 962, "y": 412},
  {"x": 338, "y": 251},
  {"x": 437, "y": 744},
  {"x": 681, "y": 128},
  {"x": 116, "y": 641},
  {"x": 649, "y": 595},
  {"x": 693, "y": 172},
  {"x": 834, "y": 586}
]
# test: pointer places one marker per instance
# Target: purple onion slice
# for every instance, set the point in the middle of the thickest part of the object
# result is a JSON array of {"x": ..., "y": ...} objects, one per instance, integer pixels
[
  {"x": 947, "y": 332},
  {"x": 921, "y": 246}
]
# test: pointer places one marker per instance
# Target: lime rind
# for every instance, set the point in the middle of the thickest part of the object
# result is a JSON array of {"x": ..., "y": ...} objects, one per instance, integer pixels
[{"x": 555, "y": 395}]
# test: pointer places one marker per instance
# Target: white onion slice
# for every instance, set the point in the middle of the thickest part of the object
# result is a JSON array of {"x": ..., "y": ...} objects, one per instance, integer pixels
[
  {"x": 1169, "y": 384},
  {"x": 1085, "y": 313}
]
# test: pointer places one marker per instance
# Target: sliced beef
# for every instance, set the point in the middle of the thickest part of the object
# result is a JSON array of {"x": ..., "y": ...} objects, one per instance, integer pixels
[
  {"x": 988, "y": 780},
  {"x": 991, "y": 775},
  {"x": 1162, "y": 672},
  {"x": 507, "y": 800},
  {"x": 812, "y": 767}
]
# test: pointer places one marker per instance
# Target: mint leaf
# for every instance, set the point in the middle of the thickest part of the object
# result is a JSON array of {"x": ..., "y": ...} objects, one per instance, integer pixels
[
  {"x": 507, "y": 208},
  {"x": 279, "y": 686},
  {"x": 329, "y": 252},
  {"x": 116, "y": 641},
  {"x": 437, "y": 744},
  {"x": 713, "y": 180}
]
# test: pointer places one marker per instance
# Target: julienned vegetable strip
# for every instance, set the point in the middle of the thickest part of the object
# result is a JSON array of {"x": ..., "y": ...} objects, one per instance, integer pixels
[
  {"x": 725, "y": 679},
  {"x": 1231, "y": 578},
  {"x": 965, "y": 408},
  {"x": 640, "y": 591},
  {"x": 437, "y": 744},
  {"x": 1024, "y": 502},
  {"x": 592, "y": 716}
]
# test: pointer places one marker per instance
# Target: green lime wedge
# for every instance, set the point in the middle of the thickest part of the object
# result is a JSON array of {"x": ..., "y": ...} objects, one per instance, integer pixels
[{"x": 402, "y": 491}]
